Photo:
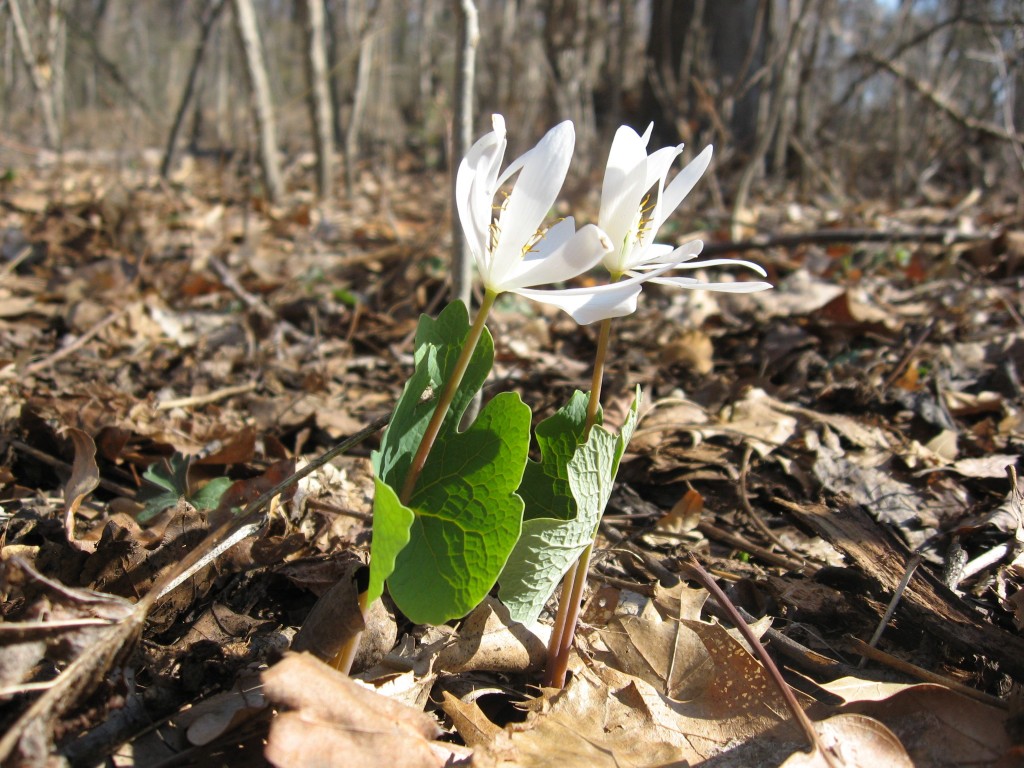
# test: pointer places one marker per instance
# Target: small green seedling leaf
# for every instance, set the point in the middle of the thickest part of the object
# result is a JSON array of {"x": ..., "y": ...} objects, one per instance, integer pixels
[
  {"x": 579, "y": 478},
  {"x": 209, "y": 496},
  {"x": 442, "y": 553},
  {"x": 170, "y": 484}
]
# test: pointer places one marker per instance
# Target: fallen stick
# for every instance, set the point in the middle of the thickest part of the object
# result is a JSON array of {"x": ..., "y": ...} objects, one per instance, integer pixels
[{"x": 828, "y": 236}]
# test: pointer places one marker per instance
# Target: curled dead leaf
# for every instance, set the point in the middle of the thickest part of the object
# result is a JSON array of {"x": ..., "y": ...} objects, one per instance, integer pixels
[
  {"x": 333, "y": 720},
  {"x": 853, "y": 741},
  {"x": 85, "y": 477},
  {"x": 489, "y": 640}
]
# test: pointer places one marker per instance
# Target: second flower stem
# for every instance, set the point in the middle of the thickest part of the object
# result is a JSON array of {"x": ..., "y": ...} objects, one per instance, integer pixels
[{"x": 575, "y": 579}]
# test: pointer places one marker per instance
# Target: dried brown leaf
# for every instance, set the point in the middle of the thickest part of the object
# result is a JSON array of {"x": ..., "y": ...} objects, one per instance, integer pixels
[
  {"x": 601, "y": 719},
  {"x": 336, "y": 721},
  {"x": 939, "y": 727},
  {"x": 488, "y": 640},
  {"x": 853, "y": 741},
  {"x": 469, "y": 720},
  {"x": 85, "y": 477},
  {"x": 757, "y": 419},
  {"x": 685, "y": 514},
  {"x": 213, "y": 717}
]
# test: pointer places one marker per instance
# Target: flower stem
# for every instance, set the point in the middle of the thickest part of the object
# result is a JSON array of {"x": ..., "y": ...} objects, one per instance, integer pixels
[
  {"x": 344, "y": 658},
  {"x": 597, "y": 380},
  {"x": 444, "y": 402},
  {"x": 576, "y": 577}
]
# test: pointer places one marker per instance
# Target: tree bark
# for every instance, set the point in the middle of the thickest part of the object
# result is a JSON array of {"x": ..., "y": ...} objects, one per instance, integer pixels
[
  {"x": 694, "y": 40},
  {"x": 468, "y": 36},
  {"x": 42, "y": 82},
  {"x": 210, "y": 16},
  {"x": 319, "y": 99},
  {"x": 783, "y": 92},
  {"x": 262, "y": 103}
]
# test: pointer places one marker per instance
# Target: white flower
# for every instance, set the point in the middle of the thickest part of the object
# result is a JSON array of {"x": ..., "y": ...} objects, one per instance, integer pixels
[
  {"x": 635, "y": 202},
  {"x": 513, "y": 252}
]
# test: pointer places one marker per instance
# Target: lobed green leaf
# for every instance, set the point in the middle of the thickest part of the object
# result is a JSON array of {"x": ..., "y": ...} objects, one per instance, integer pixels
[
  {"x": 442, "y": 553},
  {"x": 582, "y": 476}
]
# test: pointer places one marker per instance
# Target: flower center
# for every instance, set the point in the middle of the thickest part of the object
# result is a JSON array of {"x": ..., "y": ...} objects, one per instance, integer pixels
[{"x": 644, "y": 217}]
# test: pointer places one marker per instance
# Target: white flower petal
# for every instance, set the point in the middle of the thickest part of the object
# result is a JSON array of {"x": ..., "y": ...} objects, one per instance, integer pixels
[
  {"x": 681, "y": 185},
  {"x": 560, "y": 258},
  {"x": 658, "y": 164},
  {"x": 474, "y": 189},
  {"x": 647, "y": 134},
  {"x": 666, "y": 254},
  {"x": 690, "y": 283},
  {"x": 623, "y": 186},
  {"x": 587, "y": 305},
  {"x": 541, "y": 173},
  {"x": 722, "y": 263}
]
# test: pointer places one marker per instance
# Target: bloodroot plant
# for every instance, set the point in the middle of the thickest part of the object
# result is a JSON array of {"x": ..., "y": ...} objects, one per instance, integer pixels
[{"x": 457, "y": 511}]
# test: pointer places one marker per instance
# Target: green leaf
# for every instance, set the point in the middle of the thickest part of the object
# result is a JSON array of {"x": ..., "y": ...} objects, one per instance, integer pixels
[
  {"x": 170, "y": 474},
  {"x": 545, "y": 488},
  {"x": 169, "y": 483},
  {"x": 438, "y": 344},
  {"x": 391, "y": 525},
  {"x": 208, "y": 497},
  {"x": 467, "y": 515},
  {"x": 549, "y": 545},
  {"x": 442, "y": 553}
]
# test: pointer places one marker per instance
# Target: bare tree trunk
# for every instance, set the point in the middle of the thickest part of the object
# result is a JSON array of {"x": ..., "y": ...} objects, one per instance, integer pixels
[
  {"x": 210, "y": 16},
  {"x": 319, "y": 99},
  {"x": 622, "y": 32},
  {"x": 468, "y": 36},
  {"x": 41, "y": 79},
  {"x": 262, "y": 104},
  {"x": 224, "y": 121},
  {"x": 358, "y": 110},
  {"x": 783, "y": 93},
  {"x": 369, "y": 31},
  {"x": 425, "y": 95},
  {"x": 56, "y": 51},
  {"x": 8, "y": 70}
]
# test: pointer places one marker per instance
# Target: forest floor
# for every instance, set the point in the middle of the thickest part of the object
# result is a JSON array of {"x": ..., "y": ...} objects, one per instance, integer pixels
[{"x": 171, "y": 350}]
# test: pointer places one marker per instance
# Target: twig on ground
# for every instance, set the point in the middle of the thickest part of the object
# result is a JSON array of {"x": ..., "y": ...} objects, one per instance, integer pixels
[
  {"x": 829, "y": 236},
  {"x": 901, "y": 366},
  {"x": 78, "y": 343},
  {"x": 52, "y": 461},
  {"x": 912, "y": 563},
  {"x": 705, "y": 580},
  {"x": 870, "y": 652},
  {"x": 736, "y": 541},
  {"x": 752, "y": 514},
  {"x": 254, "y": 302},
  {"x": 209, "y": 397}
]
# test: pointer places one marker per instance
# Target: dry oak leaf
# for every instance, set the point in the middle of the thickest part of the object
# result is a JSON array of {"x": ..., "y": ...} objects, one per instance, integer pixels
[
  {"x": 853, "y": 741},
  {"x": 488, "y": 640},
  {"x": 331, "y": 720},
  {"x": 939, "y": 727},
  {"x": 608, "y": 718}
]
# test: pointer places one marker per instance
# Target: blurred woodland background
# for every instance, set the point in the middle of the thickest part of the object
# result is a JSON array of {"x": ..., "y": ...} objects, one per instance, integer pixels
[
  {"x": 220, "y": 222},
  {"x": 851, "y": 98}
]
